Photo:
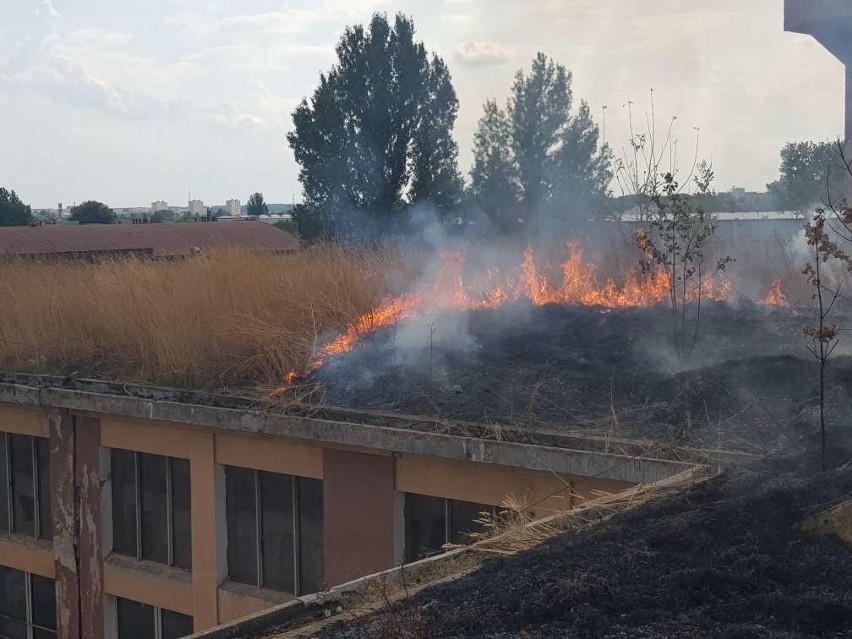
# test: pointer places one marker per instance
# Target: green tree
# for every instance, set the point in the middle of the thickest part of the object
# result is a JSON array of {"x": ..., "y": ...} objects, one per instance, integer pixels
[
  {"x": 13, "y": 212},
  {"x": 376, "y": 135},
  {"x": 811, "y": 173},
  {"x": 561, "y": 166},
  {"x": 92, "y": 212},
  {"x": 494, "y": 177},
  {"x": 166, "y": 215},
  {"x": 256, "y": 205},
  {"x": 539, "y": 110}
]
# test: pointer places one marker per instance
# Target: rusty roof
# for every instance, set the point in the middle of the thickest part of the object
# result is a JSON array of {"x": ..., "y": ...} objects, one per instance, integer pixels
[{"x": 158, "y": 240}]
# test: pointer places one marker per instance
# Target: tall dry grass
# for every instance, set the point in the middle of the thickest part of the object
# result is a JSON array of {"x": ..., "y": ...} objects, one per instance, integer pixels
[{"x": 232, "y": 319}]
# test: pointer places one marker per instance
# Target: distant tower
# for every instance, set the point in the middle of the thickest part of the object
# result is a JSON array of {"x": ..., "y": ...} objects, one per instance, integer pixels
[{"x": 60, "y": 209}]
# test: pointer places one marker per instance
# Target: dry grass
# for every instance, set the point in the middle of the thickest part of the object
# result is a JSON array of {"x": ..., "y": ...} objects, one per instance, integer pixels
[{"x": 219, "y": 321}]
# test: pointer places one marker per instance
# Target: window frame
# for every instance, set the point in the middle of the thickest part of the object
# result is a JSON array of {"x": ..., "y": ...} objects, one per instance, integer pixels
[
  {"x": 138, "y": 509},
  {"x": 29, "y": 606},
  {"x": 295, "y": 517},
  {"x": 448, "y": 523},
  {"x": 157, "y": 620},
  {"x": 40, "y": 484}
]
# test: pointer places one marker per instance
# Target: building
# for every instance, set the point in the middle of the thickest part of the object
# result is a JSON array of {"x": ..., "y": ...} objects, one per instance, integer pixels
[
  {"x": 196, "y": 207},
  {"x": 159, "y": 205},
  {"x": 143, "y": 240},
  {"x": 161, "y": 512},
  {"x": 233, "y": 208}
]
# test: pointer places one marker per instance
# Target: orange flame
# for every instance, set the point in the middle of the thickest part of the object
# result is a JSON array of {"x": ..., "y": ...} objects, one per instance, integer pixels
[
  {"x": 775, "y": 296},
  {"x": 447, "y": 290}
]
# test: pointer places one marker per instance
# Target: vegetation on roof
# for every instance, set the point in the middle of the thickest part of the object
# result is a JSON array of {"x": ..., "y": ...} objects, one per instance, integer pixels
[{"x": 220, "y": 320}]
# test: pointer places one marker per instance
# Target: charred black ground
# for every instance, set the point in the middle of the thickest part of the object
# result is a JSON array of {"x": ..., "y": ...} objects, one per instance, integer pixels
[
  {"x": 723, "y": 559},
  {"x": 750, "y": 384}
]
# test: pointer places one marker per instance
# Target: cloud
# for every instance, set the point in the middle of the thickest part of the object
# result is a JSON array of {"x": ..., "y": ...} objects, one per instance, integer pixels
[
  {"x": 69, "y": 81},
  {"x": 98, "y": 38},
  {"x": 289, "y": 21},
  {"x": 480, "y": 54}
]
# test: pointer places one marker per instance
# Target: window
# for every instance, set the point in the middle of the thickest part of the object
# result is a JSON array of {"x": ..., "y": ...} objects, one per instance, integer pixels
[
  {"x": 27, "y": 605},
  {"x": 151, "y": 508},
  {"x": 25, "y": 485},
  {"x": 141, "y": 621},
  {"x": 274, "y": 530},
  {"x": 431, "y": 522}
]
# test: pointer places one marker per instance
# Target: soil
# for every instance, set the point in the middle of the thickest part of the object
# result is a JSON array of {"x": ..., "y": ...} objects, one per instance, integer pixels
[
  {"x": 722, "y": 559},
  {"x": 750, "y": 383}
]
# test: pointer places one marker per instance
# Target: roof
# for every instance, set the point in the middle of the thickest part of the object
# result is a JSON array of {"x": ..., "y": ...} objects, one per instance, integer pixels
[{"x": 158, "y": 240}]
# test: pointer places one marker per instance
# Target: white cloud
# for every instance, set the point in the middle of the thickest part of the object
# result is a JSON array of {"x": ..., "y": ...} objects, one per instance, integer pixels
[
  {"x": 477, "y": 54},
  {"x": 98, "y": 38}
]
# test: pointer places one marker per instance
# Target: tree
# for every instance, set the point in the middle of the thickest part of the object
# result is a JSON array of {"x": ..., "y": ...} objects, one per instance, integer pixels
[
  {"x": 166, "y": 215},
  {"x": 675, "y": 243},
  {"x": 256, "y": 205},
  {"x": 13, "y": 212},
  {"x": 376, "y": 135},
  {"x": 582, "y": 167},
  {"x": 92, "y": 212},
  {"x": 494, "y": 177},
  {"x": 539, "y": 110},
  {"x": 810, "y": 173},
  {"x": 557, "y": 162}
]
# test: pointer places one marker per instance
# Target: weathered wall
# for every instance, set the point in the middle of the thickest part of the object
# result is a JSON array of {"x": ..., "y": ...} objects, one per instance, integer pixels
[
  {"x": 361, "y": 520},
  {"x": 363, "y": 498}
]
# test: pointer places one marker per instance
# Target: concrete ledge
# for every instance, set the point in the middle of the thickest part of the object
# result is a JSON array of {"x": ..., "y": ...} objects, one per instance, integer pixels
[{"x": 584, "y": 463}]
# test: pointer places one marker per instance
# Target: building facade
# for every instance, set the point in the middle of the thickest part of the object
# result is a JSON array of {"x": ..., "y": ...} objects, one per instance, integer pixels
[
  {"x": 159, "y": 205},
  {"x": 196, "y": 207},
  {"x": 128, "y": 512},
  {"x": 233, "y": 208}
]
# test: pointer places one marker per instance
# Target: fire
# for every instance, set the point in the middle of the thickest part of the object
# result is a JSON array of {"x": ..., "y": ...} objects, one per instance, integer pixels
[
  {"x": 579, "y": 285},
  {"x": 775, "y": 296}
]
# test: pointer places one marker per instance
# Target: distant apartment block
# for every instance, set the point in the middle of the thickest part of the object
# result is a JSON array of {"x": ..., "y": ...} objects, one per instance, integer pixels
[
  {"x": 159, "y": 205},
  {"x": 196, "y": 207},
  {"x": 233, "y": 207}
]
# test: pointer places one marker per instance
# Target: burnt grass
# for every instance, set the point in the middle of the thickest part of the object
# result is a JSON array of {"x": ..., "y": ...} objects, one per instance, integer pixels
[
  {"x": 750, "y": 383},
  {"x": 721, "y": 559}
]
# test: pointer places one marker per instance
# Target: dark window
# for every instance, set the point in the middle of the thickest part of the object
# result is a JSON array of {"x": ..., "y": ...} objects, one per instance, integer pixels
[
  {"x": 27, "y": 606},
  {"x": 431, "y": 522},
  {"x": 123, "y": 474},
  {"x": 13, "y": 604},
  {"x": 310, "y": 520},
  {"x": 135, "y": 620},
  {"x": 151, "y": 508},
  {"x": 5, "y": 522},
  {"x": 141, "y": 621},
  {"x": 274, "y": 530},
  {"x": 175, "y": 625},
  {"x": 154, "y": 507},
  {"x": 25, "y": 485},
  {"x": 44, "y": 607},
  {"x": 181, "y": 524},
  {"x": 241, "y": 515},
  {"x": 45, "y": 524}
]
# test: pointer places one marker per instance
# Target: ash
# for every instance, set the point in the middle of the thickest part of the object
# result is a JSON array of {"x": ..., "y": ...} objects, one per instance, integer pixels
[{"x": 750, "y": 384}]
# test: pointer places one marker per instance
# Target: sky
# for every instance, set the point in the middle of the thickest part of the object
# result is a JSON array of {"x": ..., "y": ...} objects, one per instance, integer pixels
[{"x": 129, "y": 102}]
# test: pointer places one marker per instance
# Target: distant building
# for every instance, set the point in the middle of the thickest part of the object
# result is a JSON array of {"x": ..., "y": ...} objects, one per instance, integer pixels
[
  {"x": 233, "y": 207},
  {"x": 159, "y": 205},
  {"x": 196, "y": 207}
]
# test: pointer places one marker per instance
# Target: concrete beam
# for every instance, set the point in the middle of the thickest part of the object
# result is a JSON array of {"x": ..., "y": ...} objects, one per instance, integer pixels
[
  {"x": 64, "y": 513},
  {"x": 582, "y": 463}
]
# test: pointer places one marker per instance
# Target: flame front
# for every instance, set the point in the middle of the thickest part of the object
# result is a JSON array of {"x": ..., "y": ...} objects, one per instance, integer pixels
[
  {"x": 775, "y": 296},
  {"x": 447, "y": 290}
]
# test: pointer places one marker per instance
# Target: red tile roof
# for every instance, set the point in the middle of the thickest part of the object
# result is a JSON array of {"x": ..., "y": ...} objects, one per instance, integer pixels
[{"x": 159, "y": 240}]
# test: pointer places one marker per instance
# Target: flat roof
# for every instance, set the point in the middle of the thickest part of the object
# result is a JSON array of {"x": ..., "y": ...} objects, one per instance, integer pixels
[{"x": 158, "y": 240}]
